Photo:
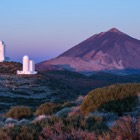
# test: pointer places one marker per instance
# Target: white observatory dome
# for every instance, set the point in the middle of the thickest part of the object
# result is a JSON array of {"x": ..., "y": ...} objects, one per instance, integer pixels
[
  {"x": 28, "y": 66},
  {"x": 25, "y": 57}
]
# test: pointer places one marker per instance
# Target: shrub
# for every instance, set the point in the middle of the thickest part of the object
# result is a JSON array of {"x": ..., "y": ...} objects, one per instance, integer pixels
[
  {"x": 25, "y": 132},
  {"x": 19, "y": 112},
  {"x": 68, "y": 104},
  {"x": 4, "y": 135},
  {"x": 117, "y": 98},
  {"x": 77, "y": 122},
  {"x": 75, "y": 111},
  {"x": 48, "y": 121},
  {"x": 89, "y": 123},
  {"x": 120, "y": 106},
  {"x": 58, "y": 132},
  {"x": 127, "y": 128},
  {"x": 108, "y": 136},
  {"x": 64, "y": 112},
  {"x": 47, "y": 109}
]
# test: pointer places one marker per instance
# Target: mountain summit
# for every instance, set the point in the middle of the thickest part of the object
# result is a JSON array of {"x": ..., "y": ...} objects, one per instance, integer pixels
[
  {"x": 105, "y": 41},
  {"x": 114, "y": 30},
  {"x": 111, "y": 50}
]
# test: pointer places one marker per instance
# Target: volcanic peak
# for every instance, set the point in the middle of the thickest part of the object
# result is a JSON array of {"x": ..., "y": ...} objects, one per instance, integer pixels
[{"x": 115, "y": 30}]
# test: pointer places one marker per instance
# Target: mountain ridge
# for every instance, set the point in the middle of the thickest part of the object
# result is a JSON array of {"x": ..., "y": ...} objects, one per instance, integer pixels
[
  {"x": 110, "y": 50},
  {"x": 112, "y": 34}
]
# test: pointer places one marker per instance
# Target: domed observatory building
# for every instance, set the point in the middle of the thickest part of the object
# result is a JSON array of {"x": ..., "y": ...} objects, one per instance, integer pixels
[
  {"x": 28, "y": 66},
  {"x": 3, "y": 57},
  {"x": 2, "y": 52}
]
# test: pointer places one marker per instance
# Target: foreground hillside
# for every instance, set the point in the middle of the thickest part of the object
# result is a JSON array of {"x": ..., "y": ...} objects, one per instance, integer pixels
[{"x": 65, "y": 121}]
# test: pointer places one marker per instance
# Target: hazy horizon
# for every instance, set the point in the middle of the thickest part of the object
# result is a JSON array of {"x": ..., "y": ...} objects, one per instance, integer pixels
[{"x": 45, "y": 29}]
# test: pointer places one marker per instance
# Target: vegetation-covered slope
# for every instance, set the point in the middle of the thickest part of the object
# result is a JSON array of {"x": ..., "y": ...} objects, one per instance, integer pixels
[
  {"x": 117, "y": 98},
  {"x": 10, "y": 67},
  {"x": 51, "y": 86}
]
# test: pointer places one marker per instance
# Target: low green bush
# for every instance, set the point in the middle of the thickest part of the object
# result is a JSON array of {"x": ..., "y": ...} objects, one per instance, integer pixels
[
  {"x": 118, "y": 98},
  {"x": 47, "y": 109},
  {"x": 19, "y": 112}
]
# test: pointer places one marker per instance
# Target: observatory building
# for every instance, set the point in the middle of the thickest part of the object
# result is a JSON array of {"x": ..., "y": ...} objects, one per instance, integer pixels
[
  {"x": 28, "y": 66},
  {"x": 2, "y": 52},
  {"x": 3, "y": 57}
]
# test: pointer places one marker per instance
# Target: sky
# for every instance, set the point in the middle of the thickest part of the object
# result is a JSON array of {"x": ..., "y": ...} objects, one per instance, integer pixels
[{"x": 43, "y": 29}]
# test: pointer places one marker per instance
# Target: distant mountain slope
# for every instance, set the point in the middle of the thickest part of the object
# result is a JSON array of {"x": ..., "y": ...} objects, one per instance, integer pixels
[{"x": 105, "y": 51}]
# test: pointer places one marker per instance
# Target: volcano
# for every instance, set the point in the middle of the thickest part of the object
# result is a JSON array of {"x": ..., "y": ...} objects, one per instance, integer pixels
[{"x": 110, "y": 50}]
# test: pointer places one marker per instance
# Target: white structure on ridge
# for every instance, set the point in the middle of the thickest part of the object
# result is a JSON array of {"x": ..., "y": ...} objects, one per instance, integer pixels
[
  {"x": 28, "y": 66},
  {"x": 3, "y": 57},
  {"x": 2, "y": 52}
]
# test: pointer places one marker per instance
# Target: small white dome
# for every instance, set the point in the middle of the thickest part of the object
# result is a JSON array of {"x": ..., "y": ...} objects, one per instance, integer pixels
[{"x": 25, "y": 57}]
